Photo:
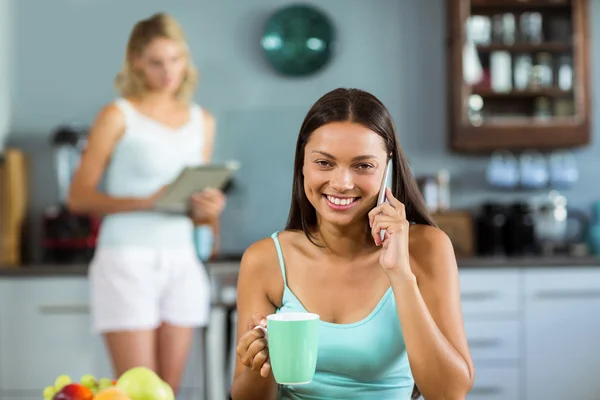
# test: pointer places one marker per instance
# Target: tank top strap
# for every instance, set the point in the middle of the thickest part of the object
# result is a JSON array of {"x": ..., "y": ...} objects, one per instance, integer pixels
[
  {"x": 129, "y": 112},
  {"x": 275, "y": 238},
  {"x": 196, "y": 112}
]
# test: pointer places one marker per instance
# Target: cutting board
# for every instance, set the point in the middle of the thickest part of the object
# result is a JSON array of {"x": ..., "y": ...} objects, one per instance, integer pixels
[{"x": 13, "y": 205}]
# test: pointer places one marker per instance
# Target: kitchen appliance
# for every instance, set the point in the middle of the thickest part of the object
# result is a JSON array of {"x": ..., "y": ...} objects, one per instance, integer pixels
[
  {"x": 13, "y": 205},
  {"x": 68, "y": 237},
  {"x": 491, "y": 224},
  {"x": 552, "y": 228},
  {"x": 519, "y": 232}
]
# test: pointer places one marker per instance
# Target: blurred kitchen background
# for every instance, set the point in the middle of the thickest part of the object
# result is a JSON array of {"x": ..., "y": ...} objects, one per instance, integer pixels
[{"x": 495, "y": 106}]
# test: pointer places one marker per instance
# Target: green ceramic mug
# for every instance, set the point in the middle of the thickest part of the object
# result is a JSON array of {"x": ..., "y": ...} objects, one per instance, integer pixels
[{"x": 293, "y": 340}]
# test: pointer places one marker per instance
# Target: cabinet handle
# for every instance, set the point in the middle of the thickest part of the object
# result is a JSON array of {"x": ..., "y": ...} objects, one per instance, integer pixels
[
  {"x": 478, "y": 295},
  {"x": 486, "y": 390},
  {"x": 65, "y": 309},
  {"x": 484, "y": 343},
  {"x": 569, "y": 294}
]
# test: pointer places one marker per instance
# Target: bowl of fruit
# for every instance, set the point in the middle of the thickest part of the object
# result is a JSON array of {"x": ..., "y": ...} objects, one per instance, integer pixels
[{"x": 138, "y": 383}]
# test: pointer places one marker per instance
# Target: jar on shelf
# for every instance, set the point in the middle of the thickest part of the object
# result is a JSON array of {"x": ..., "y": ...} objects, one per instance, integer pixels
[
  {"x": 565, "y": 72},
  {"x": 475, "y": 109},
  {"x": 542, "y": 72},
  {"x": 522, "y": 71},
  {"x": 531, "y": 29},
  {"x": 542, "y": 108}
]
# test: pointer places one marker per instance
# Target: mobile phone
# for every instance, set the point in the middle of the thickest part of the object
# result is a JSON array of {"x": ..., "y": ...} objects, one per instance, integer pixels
[{"x": 385, "y": 183}]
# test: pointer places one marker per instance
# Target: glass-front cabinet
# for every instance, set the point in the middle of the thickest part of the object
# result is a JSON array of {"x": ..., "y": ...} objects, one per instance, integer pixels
[{"x": 519, "y": 74}]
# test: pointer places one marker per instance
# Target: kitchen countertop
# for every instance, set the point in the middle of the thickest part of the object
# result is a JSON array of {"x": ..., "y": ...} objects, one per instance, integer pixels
[
  {"x": 221, "y": 266},
  {"x": 529, "y": 261},
  {"x": 228, "y": 265}
]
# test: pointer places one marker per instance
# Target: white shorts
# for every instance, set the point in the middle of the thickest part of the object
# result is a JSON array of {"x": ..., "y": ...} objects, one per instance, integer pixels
[{"x": 139, "y": 288}]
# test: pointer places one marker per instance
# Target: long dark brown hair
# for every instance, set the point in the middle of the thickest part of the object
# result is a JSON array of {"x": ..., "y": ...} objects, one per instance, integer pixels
[{"x": 358, "y": 106}]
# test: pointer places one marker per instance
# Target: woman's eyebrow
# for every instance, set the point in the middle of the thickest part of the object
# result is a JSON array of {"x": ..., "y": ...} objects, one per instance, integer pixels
[{"x": 357, "y": 158}]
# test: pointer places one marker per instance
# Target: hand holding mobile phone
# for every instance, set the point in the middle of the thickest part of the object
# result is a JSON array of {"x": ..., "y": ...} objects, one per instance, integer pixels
[{"x": 385, "y": 182}]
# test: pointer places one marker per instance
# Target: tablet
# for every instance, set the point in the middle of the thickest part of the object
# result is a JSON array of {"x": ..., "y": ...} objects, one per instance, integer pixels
[{"x": 176, "y": 197}]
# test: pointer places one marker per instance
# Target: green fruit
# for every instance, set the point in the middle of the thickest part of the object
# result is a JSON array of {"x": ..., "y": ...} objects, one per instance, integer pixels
[
  {"x": 141, "y": 383},
  {"x": 104, "y": 383},
  {"x": 170, "y": 395},
  {"x": 89, "y": 381},
  {"x": 61, "y": 382},
  {"x": 49, "y": 392}
]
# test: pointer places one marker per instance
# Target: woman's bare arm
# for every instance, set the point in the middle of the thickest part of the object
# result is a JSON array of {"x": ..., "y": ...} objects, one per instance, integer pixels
[
  {"x": 430, "y": 314},
  {"x": 257, "y": 273},
  {"x": 83, "y": 194},
  {"x": 209, "y": 130}
]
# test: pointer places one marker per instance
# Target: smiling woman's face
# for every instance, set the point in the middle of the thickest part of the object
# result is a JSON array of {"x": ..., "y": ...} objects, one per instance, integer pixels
[{"x": 344, "y": 163}]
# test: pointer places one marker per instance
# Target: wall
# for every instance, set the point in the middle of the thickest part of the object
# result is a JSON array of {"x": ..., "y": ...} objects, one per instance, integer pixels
[
  {"x": 68, "y": 51},
  {"x": 5, "y": 70}
]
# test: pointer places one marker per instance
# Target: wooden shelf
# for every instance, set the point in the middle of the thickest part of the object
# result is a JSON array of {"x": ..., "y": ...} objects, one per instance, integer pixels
[
  {"x": 550, "y": 47},
  {"x": 529, "y": 122},
  {"x": 498, "y": 131},
  {"x": 532, "y": 93},
  {"x": 518, "y": 136},
  {"x": 521, "y": 3}
]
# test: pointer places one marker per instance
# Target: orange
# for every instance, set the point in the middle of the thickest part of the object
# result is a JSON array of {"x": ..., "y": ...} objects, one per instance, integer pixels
[{"x": 112, "y": 393}]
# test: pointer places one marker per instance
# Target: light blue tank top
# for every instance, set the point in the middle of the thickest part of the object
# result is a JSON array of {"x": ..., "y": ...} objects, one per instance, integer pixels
[
  {"x": 148, "y": 156},
  {"x": 362, "y": 360}
]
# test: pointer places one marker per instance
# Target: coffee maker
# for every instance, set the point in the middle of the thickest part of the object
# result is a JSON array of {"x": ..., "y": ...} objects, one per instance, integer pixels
[{"x": 68, "y": 237}]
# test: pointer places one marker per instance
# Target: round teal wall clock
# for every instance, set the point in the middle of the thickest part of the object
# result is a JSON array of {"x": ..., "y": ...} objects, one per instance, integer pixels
[{"x": 297, "y": 40}]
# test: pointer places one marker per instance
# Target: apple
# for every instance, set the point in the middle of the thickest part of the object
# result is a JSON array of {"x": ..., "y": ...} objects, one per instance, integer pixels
[
  {"x": 74, "y": 391},
  {"x": 142, "y": 383},
  {"x": 169, "y": 394}
]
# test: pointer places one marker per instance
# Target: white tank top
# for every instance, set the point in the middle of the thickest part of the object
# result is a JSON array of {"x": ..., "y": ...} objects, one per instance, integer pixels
[{"x": 148, "y": 156}]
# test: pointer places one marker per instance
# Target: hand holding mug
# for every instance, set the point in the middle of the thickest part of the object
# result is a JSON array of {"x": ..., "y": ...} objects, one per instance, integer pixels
[
  {"x": 252, "y": 346},
  {"x": 293, "y": 340}
]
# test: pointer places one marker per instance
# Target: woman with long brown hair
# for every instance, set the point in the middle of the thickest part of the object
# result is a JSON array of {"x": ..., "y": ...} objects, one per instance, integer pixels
[
  {"x": 148, "y": 288},
  {"x": 389, "y": 309}
]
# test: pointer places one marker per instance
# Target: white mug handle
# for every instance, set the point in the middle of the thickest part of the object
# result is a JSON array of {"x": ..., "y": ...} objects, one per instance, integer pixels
[{"x": 262, "y": 328}]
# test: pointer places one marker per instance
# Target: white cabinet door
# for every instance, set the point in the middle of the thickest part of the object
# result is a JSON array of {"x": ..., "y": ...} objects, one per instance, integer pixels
[
  {"x": 490, "y": 293},
  {"x": 193, "y": 379},
  {"x": 102, "y": 367},
  {"x": 495, "y": 383},
  {"x": 562, "y": 333},
  {"x": 45, "y": 333}
]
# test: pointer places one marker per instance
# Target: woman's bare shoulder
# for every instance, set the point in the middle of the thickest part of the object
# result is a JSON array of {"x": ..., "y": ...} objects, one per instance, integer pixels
[
  {"x": 260, "y": 266},
  {"x": 259, "y": 257},
  {"x": 430, "y": 248},
  {"x": 263, "y": 254}
]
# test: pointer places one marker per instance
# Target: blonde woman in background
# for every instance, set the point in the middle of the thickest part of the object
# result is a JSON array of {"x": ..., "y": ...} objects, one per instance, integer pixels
[{"x": 148, "y": 288}]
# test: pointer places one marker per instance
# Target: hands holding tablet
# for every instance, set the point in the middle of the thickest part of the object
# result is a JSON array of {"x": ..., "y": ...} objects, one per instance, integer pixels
[
  {"x": 207, "y": 205},
  {"x": 202, "y": 184}
]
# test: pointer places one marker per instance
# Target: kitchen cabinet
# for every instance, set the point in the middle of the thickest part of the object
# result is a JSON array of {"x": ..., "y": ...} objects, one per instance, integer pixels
[
  {"x": 518, "y": 74},
  {"x": 532, "y": 332},
  {"x": 21, "y": 397},
  {"x": 45, "y": 332},
  {"x": 492, "y": 309},
  {"x": 562, "y": 335}
]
